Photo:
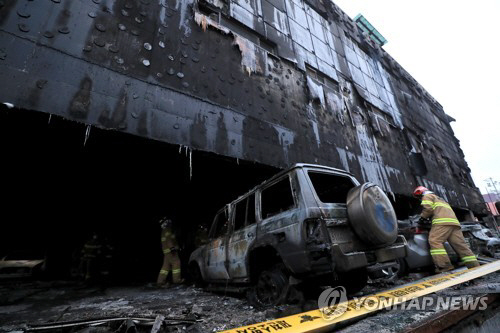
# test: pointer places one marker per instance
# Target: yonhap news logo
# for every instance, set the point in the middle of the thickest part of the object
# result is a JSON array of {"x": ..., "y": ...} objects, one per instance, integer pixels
[{"x": 333, "y": 302}]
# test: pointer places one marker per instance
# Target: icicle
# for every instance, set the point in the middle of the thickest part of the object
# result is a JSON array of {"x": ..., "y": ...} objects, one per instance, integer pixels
[
  {"x": 190, "y": 164},
  {"x": 87, "y": 133},
  {"x": 50, "y": 117},
  {"x": 187, "y": 148},
  {"x": 180, "y": 149},
  {"x": 238, "y": 161}
]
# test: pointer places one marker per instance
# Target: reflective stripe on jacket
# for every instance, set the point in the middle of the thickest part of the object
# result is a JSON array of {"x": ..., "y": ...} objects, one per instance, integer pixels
[
  {"x": 440, "y": 211},
  {"x": 168, "y": 239}
]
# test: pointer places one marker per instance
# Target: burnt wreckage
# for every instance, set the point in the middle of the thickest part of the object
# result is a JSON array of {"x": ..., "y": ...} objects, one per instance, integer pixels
[{"x": 269, "y": 81}]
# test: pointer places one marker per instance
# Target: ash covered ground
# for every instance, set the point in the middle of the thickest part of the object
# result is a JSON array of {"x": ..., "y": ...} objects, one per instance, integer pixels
[
  {"x": 28, "y": 304},
  {"x": 186, "y": 308}
]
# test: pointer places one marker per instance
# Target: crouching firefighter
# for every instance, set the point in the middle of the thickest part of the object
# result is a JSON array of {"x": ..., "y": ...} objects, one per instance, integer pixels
[
  {"x": 171, "y": 261},
  {"x": 445, "y": 227}
]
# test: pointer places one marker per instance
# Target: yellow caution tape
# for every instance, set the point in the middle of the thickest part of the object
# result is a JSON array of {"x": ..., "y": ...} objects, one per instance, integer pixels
[{"x": 315, "y": 321}]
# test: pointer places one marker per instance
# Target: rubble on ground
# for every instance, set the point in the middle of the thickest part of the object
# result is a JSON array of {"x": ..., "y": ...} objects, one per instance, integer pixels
[{"x": 185, "y": 308}]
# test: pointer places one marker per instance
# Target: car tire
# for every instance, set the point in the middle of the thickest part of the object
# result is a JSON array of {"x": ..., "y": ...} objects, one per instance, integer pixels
[
  {"x": 271, "y": 288},
  {"x": 403, "y": 267},
  {"x": 371, "y": 215},
  {"x": 393, "y": 273}
]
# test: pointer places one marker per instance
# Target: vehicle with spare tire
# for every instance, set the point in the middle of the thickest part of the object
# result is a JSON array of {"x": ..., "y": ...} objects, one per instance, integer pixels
[{"x": 309, "y": 223}]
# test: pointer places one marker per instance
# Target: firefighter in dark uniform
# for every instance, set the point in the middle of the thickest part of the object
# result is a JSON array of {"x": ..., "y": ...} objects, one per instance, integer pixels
[
  {"x": 201, "y": 237},
  {"x": 445, "y": 227},
  {"x": 90, "y": 258},
  {"x": 171, "y": 262},
  {"x": 106, "y": 260}
]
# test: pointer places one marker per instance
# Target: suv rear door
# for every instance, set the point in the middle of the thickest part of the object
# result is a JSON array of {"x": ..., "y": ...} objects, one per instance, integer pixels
[
  {"x": 215, "y": 260},
  {"x": 242, "y": 236},
  {"x": 279, "y": 215}
]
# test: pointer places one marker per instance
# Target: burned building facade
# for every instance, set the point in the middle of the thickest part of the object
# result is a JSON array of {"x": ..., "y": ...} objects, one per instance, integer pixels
[{"x": 272, "y": 82}]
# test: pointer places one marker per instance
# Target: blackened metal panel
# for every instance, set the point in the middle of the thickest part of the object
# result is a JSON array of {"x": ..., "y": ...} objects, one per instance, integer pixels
[
  {"x": 315, "y": 27},
  {"x": 278, "y": 4},
  {"x": 248, "y": 14},
  {"x": 300, "y": 35},
  {"x": 275, "y": 17},
  {"x": 295, "y": 11},
  {"x": 283, "y": 43},
  {"x": 236, "y": 86}
]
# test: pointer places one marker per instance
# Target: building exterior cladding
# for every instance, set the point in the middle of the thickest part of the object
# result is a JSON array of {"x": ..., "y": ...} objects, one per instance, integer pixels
[
  {"x": 270, "y": 81},
  {"x": 492, "y": 201}
]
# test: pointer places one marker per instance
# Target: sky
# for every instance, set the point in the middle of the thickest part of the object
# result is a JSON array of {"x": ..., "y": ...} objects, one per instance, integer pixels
[{"x": 452, "y": 48}]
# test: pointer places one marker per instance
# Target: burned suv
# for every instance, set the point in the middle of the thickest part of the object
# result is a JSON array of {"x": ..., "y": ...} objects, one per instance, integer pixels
[{"x": 309, "y": 222}]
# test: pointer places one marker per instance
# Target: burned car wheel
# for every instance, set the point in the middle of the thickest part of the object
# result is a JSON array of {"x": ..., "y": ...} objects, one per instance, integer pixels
[
  {"x": 403, "y": 267},
  {"x": 271, "y": 288},
  {"x": 392, "y": 273},
  {"x": 371, "y": 215}
]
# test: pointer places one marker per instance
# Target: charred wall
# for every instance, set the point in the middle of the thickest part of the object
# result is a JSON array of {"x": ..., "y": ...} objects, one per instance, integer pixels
[{"x": 269, "y": 81}]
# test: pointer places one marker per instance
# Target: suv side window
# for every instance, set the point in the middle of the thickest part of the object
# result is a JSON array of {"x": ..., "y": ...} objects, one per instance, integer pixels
[
  {"x": 277, "y": 198},
  {"x": 239, "y": 214},
  {"x": 251, "y": 210},
  {"x": 244, "y": 212},
  {"x": 221, "y": 223}
]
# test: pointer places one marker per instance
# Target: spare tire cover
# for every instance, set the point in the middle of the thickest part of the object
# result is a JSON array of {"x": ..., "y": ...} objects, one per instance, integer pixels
[{"x": 371, "y": 215}]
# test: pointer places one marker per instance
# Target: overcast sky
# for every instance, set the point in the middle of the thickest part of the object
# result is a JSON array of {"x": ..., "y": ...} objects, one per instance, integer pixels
[{"x": 452, "y": 48}]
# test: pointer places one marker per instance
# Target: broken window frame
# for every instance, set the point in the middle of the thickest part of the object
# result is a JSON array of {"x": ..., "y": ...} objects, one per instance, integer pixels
[
  {"x": 321, "y": 78},
  {"x": 239, "y": 28},
  {"x": 379, "y": 116},
  {"x": 214, "y": 233},
  {"x": 247, "y": 200},
  {"x": 236, "y": 223},
  {"x": 273, "y": 186},
  {"x": 315, "y": 190},
  {"x": 251, "y": 204}
]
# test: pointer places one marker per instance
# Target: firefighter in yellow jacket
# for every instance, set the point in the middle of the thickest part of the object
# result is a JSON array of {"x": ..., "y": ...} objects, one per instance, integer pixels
[
  {"x": 171, "y": 261},
  {"x": 445, "y": 227}
]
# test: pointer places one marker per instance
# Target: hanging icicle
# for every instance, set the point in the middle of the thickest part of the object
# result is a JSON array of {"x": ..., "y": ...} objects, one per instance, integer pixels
[
  {"x": 87, "y": 134},
  {"x": 50, "y": 118},
  {"x": 190, "y": 164}
]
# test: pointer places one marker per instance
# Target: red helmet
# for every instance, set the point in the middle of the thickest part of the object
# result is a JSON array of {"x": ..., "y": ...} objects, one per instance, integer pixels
[{"x": 419, "y": 191}]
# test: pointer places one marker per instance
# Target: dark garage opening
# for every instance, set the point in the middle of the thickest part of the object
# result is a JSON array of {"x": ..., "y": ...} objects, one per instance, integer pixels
[{"x": 56, "y": 191}]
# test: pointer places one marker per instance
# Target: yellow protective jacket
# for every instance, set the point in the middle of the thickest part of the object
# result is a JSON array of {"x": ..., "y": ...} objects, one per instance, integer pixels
[
  {"x": 168, "y": 240},
  {"x": 440, "y": 211},
  {"x": 91, "y": 249}
]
